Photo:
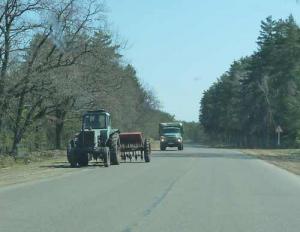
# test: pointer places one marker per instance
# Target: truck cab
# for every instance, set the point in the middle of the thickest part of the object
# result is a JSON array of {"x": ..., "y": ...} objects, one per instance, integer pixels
[{"x": 171, "y": 135}]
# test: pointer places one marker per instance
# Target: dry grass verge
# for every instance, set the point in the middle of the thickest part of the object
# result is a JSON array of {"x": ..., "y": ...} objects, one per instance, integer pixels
[
  {"x": 155, "y": 145},
  {"x": 288, "y": 159},
  {"x": 27, "y": 158},
  {"x": 34, "y": 166}
]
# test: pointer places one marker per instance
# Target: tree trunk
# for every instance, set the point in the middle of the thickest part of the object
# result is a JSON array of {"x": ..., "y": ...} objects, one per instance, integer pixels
[
  {"x": 17, "y": 126},
  {"x": 58, "y": 135},
  {"x": 59, "y": 125},
  {"x": 16, "y": 141}
]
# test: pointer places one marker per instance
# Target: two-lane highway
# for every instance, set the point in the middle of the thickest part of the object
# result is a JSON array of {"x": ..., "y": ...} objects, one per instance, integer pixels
[{"x": 197, "y": 189}]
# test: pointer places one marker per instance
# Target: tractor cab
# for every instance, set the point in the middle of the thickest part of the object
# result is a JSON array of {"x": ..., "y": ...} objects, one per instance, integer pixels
[
  {"x": 96, "y": 120},
  {"x": 96, "y": 139},
  {"x": 96, "y": 127}
]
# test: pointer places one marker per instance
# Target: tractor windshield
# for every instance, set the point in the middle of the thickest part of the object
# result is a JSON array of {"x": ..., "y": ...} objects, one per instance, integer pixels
[
  {"x": 171, "y": 130},
  {"x": 94, "y": 121}
]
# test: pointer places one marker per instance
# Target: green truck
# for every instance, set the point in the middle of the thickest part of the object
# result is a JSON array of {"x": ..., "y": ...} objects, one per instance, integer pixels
[
  {"x": 96, "y": 140},
  {"x": 171, "y": 135}
]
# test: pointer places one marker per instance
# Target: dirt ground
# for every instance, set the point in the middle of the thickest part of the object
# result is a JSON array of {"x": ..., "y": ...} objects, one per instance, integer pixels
[
  {"x": 24, "y": 170},
  {"x": 288, "y": 159}
]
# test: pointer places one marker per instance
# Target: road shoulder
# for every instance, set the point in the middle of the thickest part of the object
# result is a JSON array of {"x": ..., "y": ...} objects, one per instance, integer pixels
[
  {"x": 52, "y": 165},
  {"x": 288, "y": 159}
]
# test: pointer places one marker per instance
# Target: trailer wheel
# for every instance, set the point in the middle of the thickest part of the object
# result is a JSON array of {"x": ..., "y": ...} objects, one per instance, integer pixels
[
  {"x": 114, "y": 151},
  {"x": 147, "y": 150},
  {"x": 106, "y": 157}
]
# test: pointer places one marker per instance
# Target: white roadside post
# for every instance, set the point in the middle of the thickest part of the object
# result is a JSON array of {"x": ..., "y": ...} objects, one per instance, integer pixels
[{"x": 278, "y": 131}]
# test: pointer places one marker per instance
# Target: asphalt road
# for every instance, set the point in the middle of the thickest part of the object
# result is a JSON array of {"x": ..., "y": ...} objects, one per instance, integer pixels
[{"x": 197, "y": 189}]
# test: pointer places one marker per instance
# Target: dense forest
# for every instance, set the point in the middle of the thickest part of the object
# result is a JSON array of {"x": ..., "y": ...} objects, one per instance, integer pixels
[
  {"x": 259, "y": 92},
  {"x": 57, "y": 60}
]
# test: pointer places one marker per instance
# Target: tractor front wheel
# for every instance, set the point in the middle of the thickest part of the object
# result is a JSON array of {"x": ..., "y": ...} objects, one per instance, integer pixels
[{"x": 71, "y": 157}]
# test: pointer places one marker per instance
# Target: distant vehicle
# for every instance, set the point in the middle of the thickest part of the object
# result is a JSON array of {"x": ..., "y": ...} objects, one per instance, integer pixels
[
  {"x": 97, "y": 139},
  {"x": 171, "y": 135}
]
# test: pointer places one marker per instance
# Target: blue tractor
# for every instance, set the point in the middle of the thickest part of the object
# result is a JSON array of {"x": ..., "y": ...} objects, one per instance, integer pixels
[{"x": 96, "y": 140}]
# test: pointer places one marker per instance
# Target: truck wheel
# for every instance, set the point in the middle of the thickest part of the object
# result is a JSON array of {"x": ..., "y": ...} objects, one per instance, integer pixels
[
  {"x": 147, "y": 150},
  {"x": 106, "y": 157},
  {"x": 114, "y": 151},
  {"x": 162, "y": 148},
  {"x": 83, "y": 160},
  {"x": 180, "y": 147}
]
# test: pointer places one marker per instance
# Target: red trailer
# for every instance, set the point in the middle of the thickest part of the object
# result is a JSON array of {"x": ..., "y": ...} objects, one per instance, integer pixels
[{"x": 134, "y": 145}]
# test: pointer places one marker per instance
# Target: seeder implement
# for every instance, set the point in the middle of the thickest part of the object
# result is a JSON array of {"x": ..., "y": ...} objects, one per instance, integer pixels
[{"x": 134, "y": 145}]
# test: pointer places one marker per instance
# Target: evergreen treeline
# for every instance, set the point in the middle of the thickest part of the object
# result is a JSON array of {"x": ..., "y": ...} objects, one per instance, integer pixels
[
  {"x": 57, "y": 61},
  {"x": 193, "y": 132},
  {"x": 259, "y": 92}
]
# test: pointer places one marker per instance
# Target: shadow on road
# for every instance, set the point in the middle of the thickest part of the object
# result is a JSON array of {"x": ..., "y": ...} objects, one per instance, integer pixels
[
  {"x": 67, "y": 165},
  {"x": 91, "y": 164},
  {"x": 171, "y": 154},
  {"x": 132, "y": 162}
]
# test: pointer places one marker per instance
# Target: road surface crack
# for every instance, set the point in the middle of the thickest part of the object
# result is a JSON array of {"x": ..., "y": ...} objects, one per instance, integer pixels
[{"x": 158, "y": 200}]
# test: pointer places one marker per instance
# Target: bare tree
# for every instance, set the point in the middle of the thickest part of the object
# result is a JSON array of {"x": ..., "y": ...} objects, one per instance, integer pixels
[{"x": 40, "y": 36}]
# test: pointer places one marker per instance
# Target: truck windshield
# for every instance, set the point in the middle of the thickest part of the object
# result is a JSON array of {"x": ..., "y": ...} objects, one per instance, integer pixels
[
  {"x": 94, "y": 121},
  {"x": 171, "y": 130}
]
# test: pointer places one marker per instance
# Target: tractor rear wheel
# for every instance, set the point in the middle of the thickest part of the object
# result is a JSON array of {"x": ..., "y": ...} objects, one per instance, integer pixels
[
  {"x": 72, "y": 160},
  {"x": 71, "y": 157},
  {"x": 83, "y": 160},
  {"x": 114, "y": 150},
  {"x": 147, "y": 150}
]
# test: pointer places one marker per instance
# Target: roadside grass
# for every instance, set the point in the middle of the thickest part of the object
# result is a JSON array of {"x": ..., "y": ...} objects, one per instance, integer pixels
[
  {"x": 154, "y": 145},
  {"x": 28, "y": 158},
  {"x": 288, "y": 159},
  {"x": 33, "y": 166},
  {"x": 6, "y": 161}
]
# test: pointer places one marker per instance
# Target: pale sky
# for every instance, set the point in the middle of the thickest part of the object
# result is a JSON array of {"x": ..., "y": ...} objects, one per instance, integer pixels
[{"x": 180, "y": 47}]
